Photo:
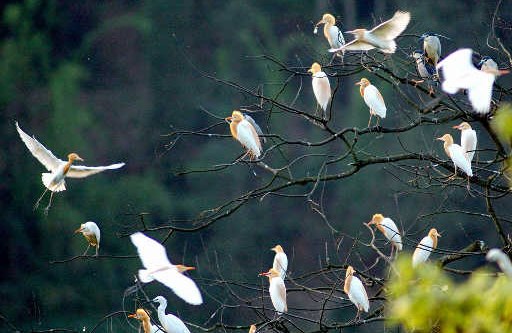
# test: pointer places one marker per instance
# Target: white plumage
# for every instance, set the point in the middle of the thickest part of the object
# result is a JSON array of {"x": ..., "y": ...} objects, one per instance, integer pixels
[
  {"x": 245, "y": 133},
  {"x": 388, "y": 227},
  {"x": 277, "y": 290},
  {"x": 373, "y": 99},
  {"x": 321, "y": 86},
  {"x": 356, "y": 292},
  {"x": 456, "y": 154},
  {"x": 169, "y": 322},
  {"x": 425, "y": 247},
  {"x": 158, "y": 267},
  {"x": 468, "y": 140},
  {"x": 91, "y": 232},
  {"x": 280, "y": 261},
  {"x": 498, "y": 256}
]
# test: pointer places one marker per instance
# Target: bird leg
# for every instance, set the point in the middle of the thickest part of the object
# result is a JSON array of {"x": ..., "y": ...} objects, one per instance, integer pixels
[
  {"x": 97, "y": 249},
  {"x": 36, "y": 205},
  {"x": 87, "y": 249},
  {"x": 47, "y": 208},
  {"x": 369, "y": 120},
  {"x": 416, "y": 82}
]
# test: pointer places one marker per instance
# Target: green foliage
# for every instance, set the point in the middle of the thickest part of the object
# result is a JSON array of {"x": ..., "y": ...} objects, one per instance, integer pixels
[{"x": 425, "y": 298}]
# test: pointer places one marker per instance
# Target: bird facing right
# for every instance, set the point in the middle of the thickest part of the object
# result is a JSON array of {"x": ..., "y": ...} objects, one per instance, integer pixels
[
  {"x": 425, "y": 247},
  {"x": 280, "y": 260},
  {"x": 169, "y": 322},
  {"x": 468, "y": 140}
]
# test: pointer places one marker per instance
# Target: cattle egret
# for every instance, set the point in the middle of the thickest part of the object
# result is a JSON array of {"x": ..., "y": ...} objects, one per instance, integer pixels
[
  {"x": 91, "y": 233},
  {"x": 467, "y": 140},
  {"x": 356, "y": 292},
  {"x": 169, "y": 322},
  {"x": 280, "y": 261},
  {"x": 427, "y": 244},
  {"x": 245, "y": 133},
  {"x": 459, "y": 73},
  {"x": 59, "y": 169},
  {"x": 381, "y": 37},
  {"x": 498, "y": 256},
  {"x": 158, "y": 267},
  {"x": 321, "y": 87},
  {"x": 373, "y": 99},
  {"x": 143, "y": 316},
  {"x": 256, "y": 127},
  {"x": 252, "y": 329},
  {"x": 389, "y": 229},
  {"x": 431, "y": 48},
  {"x": 277, "y": 290},
  {"x": 331, "y": 32},
  {"x": 456, "y": 154}
]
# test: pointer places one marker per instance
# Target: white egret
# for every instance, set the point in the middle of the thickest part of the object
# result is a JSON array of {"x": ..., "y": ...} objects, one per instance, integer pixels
[
  {"x": 425, "y": 247},
  {"x": 245, "y": 133},
  {"x": 280, "y": 261},
  {"x": 456, "y": 154},
  {"x": 321, "y": 87},
  {"x": 143, "y": 316},
  {"x": 356, "y": 292},
  {"x": 468, "y": 140},
  {"x": 91, "y": 233},
  {"x": 169, "y": 322},
  {"x": 373, "y": 98},
  {"x": 277, "y": 290},
  {"x": 498, "y": 256},
  {"x": 389, "y": 229}
]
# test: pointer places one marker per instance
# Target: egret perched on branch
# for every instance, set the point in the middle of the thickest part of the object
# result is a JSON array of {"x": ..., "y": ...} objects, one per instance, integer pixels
[
  {"x": 143, "y": 316},
  {"x": 158, "y": 267},
  {"x": 280, "y": 260},
  {"x": 245, "y": 133},
  {"x": 256, "y": 127},
  {"x": 459, "y": 73},
  {"x": 169, "y": 322},
  {"x": 356, "y": 292},
  {"x": 501, "y": 259},
  {"x": 59, "y": 169},
  {"x": 431, "y": 47},
  {"x": 456, "y": 154},
  {"x": 468, "y": 140},
  {"x": 277, "y": 290},
  {"x": 425, "y": 70},
  {"x": 425, "y": 247},
  {"x": 91, "y": 233},
  {"x": 331, "y": 32},
  {"x": 373, "y": 99},
  {"x": 381, "y": 37},
  {"x": 321, "y": 87},
  {"x": 389, "y": 229}
]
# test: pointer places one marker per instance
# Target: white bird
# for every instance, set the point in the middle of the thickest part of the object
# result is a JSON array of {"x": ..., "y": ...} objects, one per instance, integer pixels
[
  {"x": 468, "y": 139},
  {"x": 245, "y": 133},
  {"x": 332, "y": 33},
  {"x": 486, "y": 64},
  {"x": 143, "y": 316},
  {"x": 158, "y": 267},
  {"x": 425, "y": 247},
  {"x": 356, "y": 292},
  {"x": 59, "y": 169},
  {"x": 456, "y": 154},
  {"x": 169, "y": 322},
  {"x": 91, "y": 233},
  {"x": 460, "y": 73},
  {"x": 381, "y": 37},
  {"x": 257, "y": 127},
  {"x": 252, "y": 329},
  {"x": 277, "y": 290},
  {"x": 389, "y": 229},
  {"x": 280, "y": 260},
  {"x": 498, "y": 256},
  {"x": 321, "y": 87},
  {"x": 373, "y": 98}
]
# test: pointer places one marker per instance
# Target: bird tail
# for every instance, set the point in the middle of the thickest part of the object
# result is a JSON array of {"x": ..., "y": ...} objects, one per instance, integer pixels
[
  {"x": 391, "y": 48},
  {"x": 145, "y": 276},
  {"x": 47, "y": 179}
]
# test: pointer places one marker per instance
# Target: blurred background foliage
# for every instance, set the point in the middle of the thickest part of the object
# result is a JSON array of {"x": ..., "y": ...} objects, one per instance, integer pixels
[{"x": 110, "y": 79}]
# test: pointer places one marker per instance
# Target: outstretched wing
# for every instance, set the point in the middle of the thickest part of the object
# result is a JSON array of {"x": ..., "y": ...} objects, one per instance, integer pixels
[
  {"x": 182, "y": 285},
  {"x": 354, "y": 45},
  {"x": 39, "y": 151},
  {"x": 151, "y": 253},
  {"x": 393, "y": 27},
  {"x": 81, "y": 171}
]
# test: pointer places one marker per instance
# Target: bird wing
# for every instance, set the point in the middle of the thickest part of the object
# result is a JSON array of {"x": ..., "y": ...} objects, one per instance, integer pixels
[
  {"x": 151, "y": 253},
  {"x": 459, "y": 158},
  {"x": 391, "y": 230},
  {"x": 336, "y": 37},
  {"x": 175, "y": 324},
  {"x": 422, "y": 251},
  {"x": 257, "y": 128},
  {"x": 182, "y": 285},
  {"x": 322, "y": 89},
  {"x": 39, "y": 151},
  {"x": 358, "y": 294},
  {"x": 280, "y": 263},
  {"x": 375, "y": 101},
  {"x": 393, "y": 27},
  {"x": 248, "y": 137},
  {"x": 81, "y": 171},
  {"x": 457, "y": 70},
  {"x": 354, "y": 45},
  {"x": 480, "y": 91},
  {"x": 468, "y": 143},
  {"x": 96, "y": 230},
  {"x": 278, "y": 294}
]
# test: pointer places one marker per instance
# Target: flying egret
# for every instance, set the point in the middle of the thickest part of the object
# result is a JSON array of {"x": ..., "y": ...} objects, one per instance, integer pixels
[
  {"x": 331, "y": 32},
  {"x": 381, "y": 37},
  {"x": 277, "y": 290},
  {"x": 245, "y": 133},
  {"x": 373, "y": 99},
  {"x": 431, "y": 47},
  {"x": 321, "y": 87},
  {"x": 356, "y": 292},
  {"x": 169, "y": 322},
  {"x": 459, "y": 73},
  {"x": 468, "y": 140},
  {"x": 280, "y": 260},
  {"x": 457, "y": 154},
  {"x": 252, "y": 329},
  {"x": 427, "y": 244},
  {"x": 143, "y": 316},
  {"x": 59, "y": 169},
  {"x": 389, "y": 229},
  {"x": 91, "y": 233},
  {"x": 498, "y": 256},
  {"x": 158, "y": 267}
]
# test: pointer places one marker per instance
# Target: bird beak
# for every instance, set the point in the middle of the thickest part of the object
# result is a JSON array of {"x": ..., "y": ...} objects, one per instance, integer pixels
[
  {"x": 134, "y": 315},
  {"x": 503, "y": 71},
  {"x": 438, "y": 234},
  {"x": 188, "y": 268},
  {"x": 358, "y": 83},
  {"x": 310, "y": 70},
  {"x": 79, "y": 230},
  {"x": 457, "y": 127},
  {"x": 78, "y": 158},
  {"x": 349, "y": 32},
  {"x": 371, "y": 222},
  {"x": 440, "y": 139},
  {"x": 319, "y": 22},
  {"x": 264, "y": 274},
  {"x": 228, "y": 119}
]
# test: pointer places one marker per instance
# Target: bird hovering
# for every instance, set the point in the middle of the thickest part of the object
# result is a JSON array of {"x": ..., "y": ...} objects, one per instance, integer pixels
[
  {"x": 59, "y": 169},
  {"x": 373, "y": 99},
  {"x": 169, "y": 322},
  {"x": 356, "y": 292},
  {"x": 389, "y": 230},
  {"x": 158, "y": 267},
  {"x": 498, "y": 256},
  {"x": 332, "y": 33},
  {"x": 381, "y": 37},
  {"x": 456, "y": 154},
  {"x": 143, "y": 316},
  {"x": 424, "y": 248},
  {"x": 459, "y": 73},
  {"x": 277, "y": 290},
  {"x": 280, "y": 260},
  {"x": 245, "y": 133},
  {"x": 468, "y": 140},
  {"x": 321, "y": 87},
  {"x": 91, "y": 233}
]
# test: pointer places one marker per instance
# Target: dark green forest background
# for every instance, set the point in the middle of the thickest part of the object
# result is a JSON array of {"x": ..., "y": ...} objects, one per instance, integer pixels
[{"x": 109, "y": 80}]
